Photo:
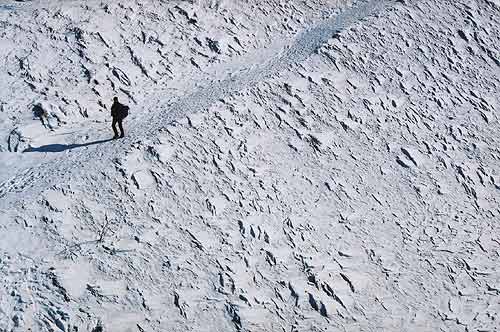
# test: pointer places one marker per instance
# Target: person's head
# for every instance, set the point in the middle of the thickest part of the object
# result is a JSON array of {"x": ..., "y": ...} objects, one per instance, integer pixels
[{"x": 115, "y": 99}]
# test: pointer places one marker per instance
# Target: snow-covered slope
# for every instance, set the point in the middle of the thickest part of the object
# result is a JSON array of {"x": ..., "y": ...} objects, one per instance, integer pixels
[
  {"x": 344, "y": 180},
  {"x": 70, "y": 58}
]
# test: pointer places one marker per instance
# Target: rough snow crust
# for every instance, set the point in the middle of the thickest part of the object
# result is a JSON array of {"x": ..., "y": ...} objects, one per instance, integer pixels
[
  {"x": 354, "y": 187},
  {"x": 70, "y": 58}
]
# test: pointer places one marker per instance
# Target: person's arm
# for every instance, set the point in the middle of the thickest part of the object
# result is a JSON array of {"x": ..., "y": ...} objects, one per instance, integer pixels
[{"x": 113, "y": 110}]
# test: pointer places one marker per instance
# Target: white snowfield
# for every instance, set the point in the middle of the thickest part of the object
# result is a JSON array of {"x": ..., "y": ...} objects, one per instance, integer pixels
[{"x": 288, "y": 166}]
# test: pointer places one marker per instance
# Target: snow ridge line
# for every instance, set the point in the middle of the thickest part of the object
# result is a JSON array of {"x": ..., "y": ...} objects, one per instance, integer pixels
[{"x": 58, "y": 170}]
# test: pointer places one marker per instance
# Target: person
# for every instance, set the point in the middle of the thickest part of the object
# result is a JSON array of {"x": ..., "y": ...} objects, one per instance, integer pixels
[
  {"x": 118, "y": 112},
  {"x": 40, "y": 111}
]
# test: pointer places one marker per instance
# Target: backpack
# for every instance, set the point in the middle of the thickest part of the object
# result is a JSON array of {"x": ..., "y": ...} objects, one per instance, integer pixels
[{"x": 124, "y": 111}]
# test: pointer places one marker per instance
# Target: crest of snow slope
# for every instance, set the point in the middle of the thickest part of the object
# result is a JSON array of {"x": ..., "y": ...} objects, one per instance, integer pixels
[{"x": 356, "y": 190}]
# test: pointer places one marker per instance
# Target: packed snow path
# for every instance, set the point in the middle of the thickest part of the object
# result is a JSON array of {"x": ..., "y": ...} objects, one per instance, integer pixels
[{"x": 254, "y": 68}]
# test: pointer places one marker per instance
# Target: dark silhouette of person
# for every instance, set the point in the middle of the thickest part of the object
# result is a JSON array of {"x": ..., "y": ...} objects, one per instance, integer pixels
[{"x": 118, "y": 112}]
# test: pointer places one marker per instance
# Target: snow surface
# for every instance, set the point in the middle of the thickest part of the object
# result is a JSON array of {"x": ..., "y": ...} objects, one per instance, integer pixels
[{"x": 337, "y": 169}]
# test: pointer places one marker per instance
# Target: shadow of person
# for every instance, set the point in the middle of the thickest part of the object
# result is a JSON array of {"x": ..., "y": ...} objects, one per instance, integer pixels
[{"x": 63, "y": 147}]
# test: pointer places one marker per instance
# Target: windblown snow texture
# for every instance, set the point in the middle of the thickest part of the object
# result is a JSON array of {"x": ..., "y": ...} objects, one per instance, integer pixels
[{"x": 342, "y": 178}]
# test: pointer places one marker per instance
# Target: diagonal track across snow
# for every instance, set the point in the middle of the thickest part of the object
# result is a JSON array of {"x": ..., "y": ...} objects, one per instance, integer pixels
[{"x": 60, "y": 168}]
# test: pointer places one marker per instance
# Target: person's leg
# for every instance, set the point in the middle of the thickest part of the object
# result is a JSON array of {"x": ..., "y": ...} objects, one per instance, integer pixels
[
  {"x": 120, "y": 124},
  {"x": 49, "y": 125},
  {"x": 114, "y": 127},
  {"x": 42, "y": 119}
]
